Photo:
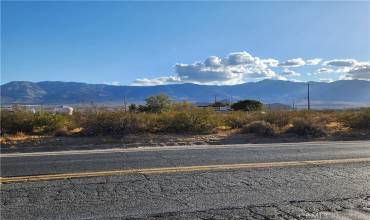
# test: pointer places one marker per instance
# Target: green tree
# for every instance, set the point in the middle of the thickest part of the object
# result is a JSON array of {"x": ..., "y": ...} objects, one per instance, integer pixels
[
  {"x": 247, "y": 105},
  {"x": 132, "y": 108},
  {"x": 158, "y": 103},
  {"x": 142, "y": 108}
]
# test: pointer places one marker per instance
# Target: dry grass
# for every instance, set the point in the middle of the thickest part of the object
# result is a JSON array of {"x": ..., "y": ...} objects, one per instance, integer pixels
[
  {"x": 260, "y": 128},
  {"x": 356, "y": 119},
  {"x": 305, "y": 127},
  {"x": 182, "y": 119}
]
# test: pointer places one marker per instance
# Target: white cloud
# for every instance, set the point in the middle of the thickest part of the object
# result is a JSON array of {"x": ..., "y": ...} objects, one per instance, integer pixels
[
  {"x": 156, "y": 81},
  {"x": 314, "y": 61},
  {"x": 235, "y": 68},
  {"x": 212, "y": 61},
  {"x": 324, "y": 70},
  {"x": 295, "y": 80},
  {"x": 240, "y": 67},
  {"x": 200, "y": 73},
  {"x": 351, "y": 69},
  {"x": 288, "y": 72},
  {"x": 293, "y": 63},
  {"x": 360, "y": 71},
  {"x": 270, "y": 62},
  {"x": 341, "y": 62},
  {"x": 239, "y": 58}
]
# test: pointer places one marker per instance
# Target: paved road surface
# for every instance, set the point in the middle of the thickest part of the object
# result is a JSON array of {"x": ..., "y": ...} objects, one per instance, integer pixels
[
  {"x": 22, "y": 164},
  {"x": 336, "y": 188}
]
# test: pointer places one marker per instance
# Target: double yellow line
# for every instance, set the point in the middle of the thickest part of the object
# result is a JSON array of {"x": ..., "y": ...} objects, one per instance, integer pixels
[{"x": 220, "y": 167}]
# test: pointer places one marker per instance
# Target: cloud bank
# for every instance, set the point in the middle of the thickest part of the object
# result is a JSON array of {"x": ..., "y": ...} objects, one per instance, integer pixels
[
  {"x": 350, "y": 68},
  {"x": 341, "y": 62},
  {"x": 293, "y": 63},
  {"x": 239, "y": 67},
  {"x": 359, "y": 71},
  {"x": 235, "y": 68},
  {"x": 288, "y": 72}
]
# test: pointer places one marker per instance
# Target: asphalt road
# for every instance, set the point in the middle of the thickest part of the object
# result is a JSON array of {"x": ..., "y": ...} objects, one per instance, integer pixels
[
  {"x": 23, "y": 164},
  {"x": 283, "y": 187}
]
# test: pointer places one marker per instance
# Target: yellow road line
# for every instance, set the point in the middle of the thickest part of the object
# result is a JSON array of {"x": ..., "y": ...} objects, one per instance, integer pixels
[{"x": 220, "y": 167}]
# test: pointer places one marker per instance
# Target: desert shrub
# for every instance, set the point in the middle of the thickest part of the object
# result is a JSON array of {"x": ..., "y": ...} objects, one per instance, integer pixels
[
  {"x": 122, "y": 123},
  {"x": 181, "y": 106},
  {"x": 28, "y": 122},
  {"x": 278, "y": 118},
  {"x": 305, "y": 127},
  {"x": 44, "y": 122},
  {"x": 237, "y": 119},
  {"x": 192, "y": 120},
  {"x": 260, "y": 128},
  {"x": 304, "y": 114},
  {"x": 61, "y": 132},
  {"x": 18, "y": 121},
  {"x": 158, "y": 103},
  {"x": 103, "y": 122},
  {"x": 356, "y": 119},
  {"x": 179, "y": 117},
  {"x": 73, "y": 121}
]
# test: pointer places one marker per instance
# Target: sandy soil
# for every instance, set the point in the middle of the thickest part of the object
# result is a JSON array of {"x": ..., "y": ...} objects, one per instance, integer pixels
[{"x": 23, "y": 143}]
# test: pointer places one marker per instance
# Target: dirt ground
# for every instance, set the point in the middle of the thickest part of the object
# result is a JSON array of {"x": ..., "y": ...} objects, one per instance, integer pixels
[{"x": 26, "y": 143}]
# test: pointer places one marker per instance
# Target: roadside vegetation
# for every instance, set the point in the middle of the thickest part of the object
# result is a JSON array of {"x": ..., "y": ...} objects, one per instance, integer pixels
[{"x": 160, "y": 115}]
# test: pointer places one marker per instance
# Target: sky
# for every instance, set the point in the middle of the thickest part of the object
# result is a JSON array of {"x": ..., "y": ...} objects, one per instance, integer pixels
[{"x": 216, "y": 43}]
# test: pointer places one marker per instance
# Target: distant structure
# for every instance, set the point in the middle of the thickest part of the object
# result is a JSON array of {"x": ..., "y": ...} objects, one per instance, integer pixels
[
  {"x": 64, "y": 109},
  {"x": 218, "y": 106},
  {"x": 17, "y": 107}
]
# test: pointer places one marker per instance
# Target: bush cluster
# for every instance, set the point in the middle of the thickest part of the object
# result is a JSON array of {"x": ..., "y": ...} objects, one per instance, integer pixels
[
  {"x": 304, "y": 127},
  {"x": 179, "y": 118},
  {"x": 102, "y": 122},
  {"x": 193, "y": 120},
  {"x": 28, "y": 122},
  {"x": 356, "y": 119},
  {"x": 277, "y": 118},
  {"x": 260, "y": 128},
  {"x": 238, "y": 119}
]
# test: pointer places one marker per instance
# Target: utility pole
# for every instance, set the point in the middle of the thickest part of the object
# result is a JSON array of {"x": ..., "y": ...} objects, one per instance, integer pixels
[
  {"x": 215, "y": 99},
  {"x": 308, "y": 97},
  {"x": 124, "y": 102}
]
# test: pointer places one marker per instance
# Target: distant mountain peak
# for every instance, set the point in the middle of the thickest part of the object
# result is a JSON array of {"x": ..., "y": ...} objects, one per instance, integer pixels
[{"x": 351, "y": 92}]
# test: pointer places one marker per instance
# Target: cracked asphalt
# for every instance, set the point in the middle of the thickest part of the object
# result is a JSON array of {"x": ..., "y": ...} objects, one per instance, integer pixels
[{"x": 335, "y": 191}]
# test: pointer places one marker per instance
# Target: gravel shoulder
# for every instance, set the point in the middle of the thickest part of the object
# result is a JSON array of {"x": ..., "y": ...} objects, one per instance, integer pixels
[{"x": 50, "y": 143}]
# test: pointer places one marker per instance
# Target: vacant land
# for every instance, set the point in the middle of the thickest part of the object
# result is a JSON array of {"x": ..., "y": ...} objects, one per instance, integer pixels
[{"x": 179, "y": 125}]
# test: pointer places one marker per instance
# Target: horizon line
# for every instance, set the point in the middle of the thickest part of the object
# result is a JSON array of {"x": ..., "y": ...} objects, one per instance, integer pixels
[{"x": 109, "y": 84}]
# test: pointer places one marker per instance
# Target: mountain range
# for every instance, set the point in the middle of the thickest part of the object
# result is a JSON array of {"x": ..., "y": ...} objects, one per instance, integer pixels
[{"x": 337, "y": 93}]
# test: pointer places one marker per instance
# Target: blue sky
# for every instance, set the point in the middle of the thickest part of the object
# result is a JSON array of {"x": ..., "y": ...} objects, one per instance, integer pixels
[{"x": 146, "y": 43}]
